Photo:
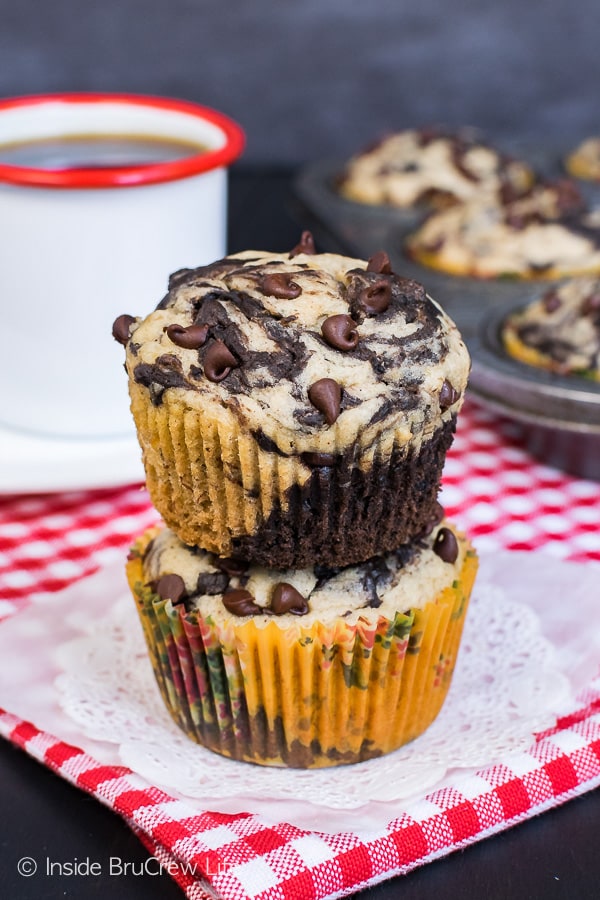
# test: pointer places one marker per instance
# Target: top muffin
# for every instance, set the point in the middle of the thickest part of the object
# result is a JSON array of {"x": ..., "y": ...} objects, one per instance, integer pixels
[
  {"x": 275, "y": 392},
  {"x": 418, "y": 166}
]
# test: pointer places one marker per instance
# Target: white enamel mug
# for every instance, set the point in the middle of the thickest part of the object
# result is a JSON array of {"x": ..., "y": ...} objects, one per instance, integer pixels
[{"x": 80, "y": 246}]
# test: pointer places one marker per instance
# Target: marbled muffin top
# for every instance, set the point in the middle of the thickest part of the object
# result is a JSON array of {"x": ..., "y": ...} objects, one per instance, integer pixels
[
  {"x": 559, "y": 331},
  {"x": 226, "y": 589},
  {"x": 544, "y": 233},
  {"x": 417, "y": 166},
  {"x": 313, "y": 353}
]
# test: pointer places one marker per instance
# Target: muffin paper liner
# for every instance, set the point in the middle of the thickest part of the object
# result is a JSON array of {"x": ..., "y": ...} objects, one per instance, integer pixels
[
  {"x": 303, "y": 696},
  {"x": 217, "y": 488}
]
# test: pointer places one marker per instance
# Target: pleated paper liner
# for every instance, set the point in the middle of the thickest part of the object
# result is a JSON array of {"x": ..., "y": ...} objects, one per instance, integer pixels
[
  {"x": 222, "y": 488},
  {"x": 305, "y": 697}
]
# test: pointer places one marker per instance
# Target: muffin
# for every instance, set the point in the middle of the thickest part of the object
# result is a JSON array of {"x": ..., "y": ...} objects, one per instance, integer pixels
[
  {"x": 419, "y": 166},
  {"x": 584, "y": 161},
  {"x": 305, "y": 667},
  {"x": 295, "y": 409},
  {"x": 559, "y": 331},
  {"x": 544, "y": 234}
]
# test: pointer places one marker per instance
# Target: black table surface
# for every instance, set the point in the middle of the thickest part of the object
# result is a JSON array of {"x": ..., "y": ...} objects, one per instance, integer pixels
[{"x": 554, "y": 856}]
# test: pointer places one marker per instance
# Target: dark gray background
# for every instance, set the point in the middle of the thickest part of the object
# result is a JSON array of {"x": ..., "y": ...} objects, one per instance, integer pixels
[{"x": 314, "y": 78}]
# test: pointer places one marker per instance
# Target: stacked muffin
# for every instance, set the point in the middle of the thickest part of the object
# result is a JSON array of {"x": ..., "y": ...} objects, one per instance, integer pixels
[{"x": 304, "y": 603}]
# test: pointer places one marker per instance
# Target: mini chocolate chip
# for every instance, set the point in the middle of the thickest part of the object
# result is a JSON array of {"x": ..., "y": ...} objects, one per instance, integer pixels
[
  {"x": 286, "y": 598},
  {"x": 380, "y": 263},
  {"x": 340, "y": 332},
  {"x": 306, "y": 245},
  {"x": 240, "y": 603},
  {"x": 120, "y": 329},
  {"x": 190, "y": 338},
  {"x": 280, "y": 285},
  {"x": 448, "y": 395},
  {"x": 230, "y": 566},
  {"x": 171, "y": 587},
  {"x": 446, "y": 545},
  {"x": 218, "y": 361},
  {"x": 326, "y": 396},
  {"x": 437, "y": 514},
  {"x": 376, "y": 297}
]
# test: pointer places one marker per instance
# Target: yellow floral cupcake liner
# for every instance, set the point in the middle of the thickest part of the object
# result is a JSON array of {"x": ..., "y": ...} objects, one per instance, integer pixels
[{"x": 298, "y": 696}]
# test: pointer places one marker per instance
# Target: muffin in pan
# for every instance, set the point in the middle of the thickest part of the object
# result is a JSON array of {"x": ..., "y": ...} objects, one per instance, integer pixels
[
  {"x": 545, "y": 234},
  {"x": 303, "y": 668},
  {"x": 295, "y": 408},
  {"x": 559, "y": 331},
  {"x": 430, "y": 166},
  {"x": 584, "y": 161}
]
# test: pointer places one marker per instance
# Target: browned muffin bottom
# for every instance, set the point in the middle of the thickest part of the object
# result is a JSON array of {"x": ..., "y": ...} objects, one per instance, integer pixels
[{"x": 343, "y": 513}]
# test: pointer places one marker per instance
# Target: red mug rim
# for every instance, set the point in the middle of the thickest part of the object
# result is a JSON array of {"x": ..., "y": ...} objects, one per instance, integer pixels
[{"x": 128, "y": 176}]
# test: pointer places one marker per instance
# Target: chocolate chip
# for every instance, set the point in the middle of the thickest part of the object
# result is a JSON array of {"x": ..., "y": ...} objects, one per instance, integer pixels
[
  {"x": 230, "y": 566},
  {"x": 448, "y": 395},
  {"x": 376, "y": 298},
  {"x": 120, "y": 329},
  {"x": 280, "y": 285},
  {"x": 240, "y": 603},
  {"x": 380, "y": 263},
  {"x": 190, "y": 338},
  {"x": 326, "y": 396},
  {"x": 218, "y": 361},
  {"x": 171, "y": 587},
  {"x": 306, "y": 245},
  {"x": 286, "y": 598},
  {"x": 340, "y": 332},
  {"x": 446, "y": 545},
  {"x": 437, "y": 514}
]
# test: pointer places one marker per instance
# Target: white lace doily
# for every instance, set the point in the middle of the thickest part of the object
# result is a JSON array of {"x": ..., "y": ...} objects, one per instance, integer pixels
[{"x": 508, "y": 684}]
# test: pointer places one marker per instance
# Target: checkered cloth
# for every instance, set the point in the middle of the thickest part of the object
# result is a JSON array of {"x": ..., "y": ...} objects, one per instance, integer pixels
[{"x": 494, "y": 490}]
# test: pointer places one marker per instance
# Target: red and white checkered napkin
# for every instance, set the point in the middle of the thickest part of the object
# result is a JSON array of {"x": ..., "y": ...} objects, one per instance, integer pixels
[{"x": 505, "y": 500}]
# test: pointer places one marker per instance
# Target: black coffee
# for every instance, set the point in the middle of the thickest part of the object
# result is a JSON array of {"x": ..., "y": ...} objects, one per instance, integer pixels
[{"x": 96, "y": 151}]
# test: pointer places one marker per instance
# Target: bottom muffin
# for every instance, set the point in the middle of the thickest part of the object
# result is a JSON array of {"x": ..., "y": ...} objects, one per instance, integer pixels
[{"x": 304, "y": 667}]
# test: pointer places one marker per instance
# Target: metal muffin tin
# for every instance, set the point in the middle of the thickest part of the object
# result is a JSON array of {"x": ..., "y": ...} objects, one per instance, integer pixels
[{"x": 558, "y": 416}]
